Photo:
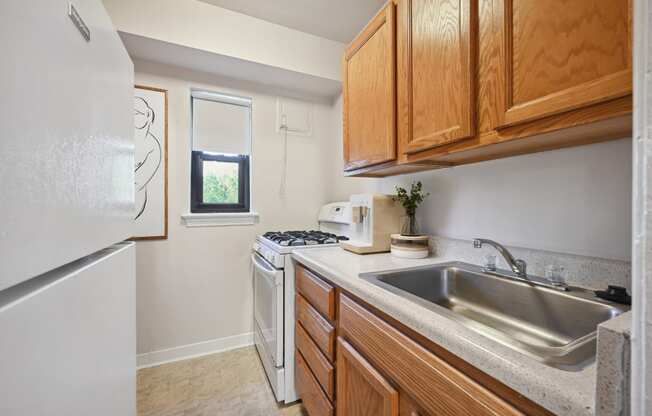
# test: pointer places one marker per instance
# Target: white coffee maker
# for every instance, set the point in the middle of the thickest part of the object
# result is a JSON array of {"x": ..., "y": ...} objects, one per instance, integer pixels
[{"x": 374, "y": 218}]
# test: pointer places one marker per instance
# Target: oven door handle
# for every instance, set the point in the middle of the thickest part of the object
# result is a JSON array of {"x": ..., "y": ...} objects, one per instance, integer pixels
[{"x": 265, "y": 269}]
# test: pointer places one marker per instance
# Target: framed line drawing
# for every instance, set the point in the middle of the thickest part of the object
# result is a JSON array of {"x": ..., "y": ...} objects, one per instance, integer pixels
[{"x": 151, "y": 163}]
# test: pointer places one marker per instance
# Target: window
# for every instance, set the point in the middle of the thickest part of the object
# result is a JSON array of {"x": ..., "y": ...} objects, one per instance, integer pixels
[{"x": 221, "y": 140}]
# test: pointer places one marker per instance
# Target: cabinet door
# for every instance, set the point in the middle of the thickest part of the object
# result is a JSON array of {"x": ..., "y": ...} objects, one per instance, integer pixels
[
  {"x": 361, "y": 389},
  {"x": 434, "y": 384},
  {"x": 563, "y": 55},
  {"x": 435, "y": 72},
  {"x": 370, "y": 94}
]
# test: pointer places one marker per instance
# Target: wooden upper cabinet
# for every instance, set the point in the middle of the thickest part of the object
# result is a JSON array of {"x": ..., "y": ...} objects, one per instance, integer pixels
[
  {"x": 369, "y": 93},
  {"x": 562, "y": 55},
  {"x": 435, "y": 72},
  {"x": 361, "y": 389},
  {"x": 436, "y": 83}
]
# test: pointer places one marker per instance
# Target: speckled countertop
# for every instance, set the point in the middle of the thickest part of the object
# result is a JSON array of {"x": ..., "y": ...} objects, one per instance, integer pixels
[{"x": 561, "y": 392}]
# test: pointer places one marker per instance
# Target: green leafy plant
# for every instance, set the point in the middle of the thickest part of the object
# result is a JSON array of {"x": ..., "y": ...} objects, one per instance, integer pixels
[
  {"x": 412, "y": 200},
  {"x": 220, "y": 189}
]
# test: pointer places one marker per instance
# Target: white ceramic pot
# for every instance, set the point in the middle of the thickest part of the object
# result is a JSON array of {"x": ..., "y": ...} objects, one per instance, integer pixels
[{"x": 409, "y": 247}]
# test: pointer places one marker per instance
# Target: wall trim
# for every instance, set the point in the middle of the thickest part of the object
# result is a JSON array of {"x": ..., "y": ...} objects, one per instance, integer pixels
[{"x": 185, "y": 352}]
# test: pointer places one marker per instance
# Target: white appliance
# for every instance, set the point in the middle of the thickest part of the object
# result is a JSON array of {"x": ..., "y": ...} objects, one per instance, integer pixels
[
  {"x": 67, "y": 278},
  {"x": 374, "y": 218},
  {"x": 273, "y": 276}
]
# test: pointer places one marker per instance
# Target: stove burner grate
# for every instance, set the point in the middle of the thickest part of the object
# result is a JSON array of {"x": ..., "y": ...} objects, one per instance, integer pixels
[{"x": 303, "y": 238}]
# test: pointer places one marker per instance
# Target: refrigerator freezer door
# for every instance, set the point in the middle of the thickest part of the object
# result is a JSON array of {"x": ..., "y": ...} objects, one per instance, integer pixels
[
  {"x": 66, "y": 129},
  {"x": 68, "y": 340}
]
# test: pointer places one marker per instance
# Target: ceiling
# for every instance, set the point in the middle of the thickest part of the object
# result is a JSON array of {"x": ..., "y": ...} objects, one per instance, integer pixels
[{"x": 338, "y": 20}]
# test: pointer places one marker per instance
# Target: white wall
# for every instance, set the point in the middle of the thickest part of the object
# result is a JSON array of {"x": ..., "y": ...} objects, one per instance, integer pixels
[
  {"x": 209, "y": 28},
  {"x": 196, "y": 285},
  {"x": 575, "y": 200}
]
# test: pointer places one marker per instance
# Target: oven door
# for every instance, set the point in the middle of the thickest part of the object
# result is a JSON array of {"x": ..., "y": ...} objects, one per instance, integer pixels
[{"x": 268, "y": 308}]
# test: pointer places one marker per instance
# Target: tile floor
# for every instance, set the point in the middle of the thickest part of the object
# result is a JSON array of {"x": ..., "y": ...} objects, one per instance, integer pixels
[{"x": 231, "y": 383}]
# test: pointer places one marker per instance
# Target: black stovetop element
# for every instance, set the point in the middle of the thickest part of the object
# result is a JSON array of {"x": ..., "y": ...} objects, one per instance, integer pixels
[{"x": 303, "y": 238}]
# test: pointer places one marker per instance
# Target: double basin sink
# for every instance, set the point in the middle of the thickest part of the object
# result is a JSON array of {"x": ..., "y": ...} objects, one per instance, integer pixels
[{"x": 558, "y": 328}]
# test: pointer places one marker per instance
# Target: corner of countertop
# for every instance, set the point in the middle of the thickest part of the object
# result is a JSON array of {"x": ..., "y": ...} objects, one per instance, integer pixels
[{"x": 613, "y": 360}]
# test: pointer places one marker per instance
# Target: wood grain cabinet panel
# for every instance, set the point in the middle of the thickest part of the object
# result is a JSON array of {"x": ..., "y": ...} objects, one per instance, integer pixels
[
  {"x": 369, "y": 92},
  {"x": 437, "y": 387},
  {"x": 562, "y": 55},
  {"x": 435, "y": 72},
  {"x": 320, "y": 294},
  {"x": 361, "y": 389},
  {"x": 308, "y": 388},
  {"x": 320, "y": 366},
  {"x": 319, "y": 329}
]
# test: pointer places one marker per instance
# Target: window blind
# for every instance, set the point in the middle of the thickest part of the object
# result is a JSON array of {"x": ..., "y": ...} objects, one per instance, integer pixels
[{"x": 220, "y": 123}]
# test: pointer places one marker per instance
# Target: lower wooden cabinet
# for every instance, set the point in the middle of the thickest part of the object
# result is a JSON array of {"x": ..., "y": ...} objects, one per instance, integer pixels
[
  {"x": 376, "y": 368},
  {"x": 315, "y": 343},
  {"x": 435, "y": 385},
  {"x": 361, "y": 389}
]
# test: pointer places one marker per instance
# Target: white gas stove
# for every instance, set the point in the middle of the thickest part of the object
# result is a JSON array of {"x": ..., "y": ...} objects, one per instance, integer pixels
[
  {"x": 274, "y": 245},
  {"x": 273, "y": 274}
]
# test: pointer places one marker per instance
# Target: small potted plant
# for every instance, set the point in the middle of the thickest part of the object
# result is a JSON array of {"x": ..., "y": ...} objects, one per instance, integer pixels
[
  {"x": 410, "y": 243},
  {"x": 410, "y": 203}
]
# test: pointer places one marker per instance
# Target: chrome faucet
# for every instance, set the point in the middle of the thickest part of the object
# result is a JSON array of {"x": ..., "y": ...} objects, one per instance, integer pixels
[{"x": 519, "y": 267}]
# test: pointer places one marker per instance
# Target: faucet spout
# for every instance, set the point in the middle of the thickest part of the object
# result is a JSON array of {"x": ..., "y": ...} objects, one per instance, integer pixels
[{"x": 519, "y": 267}]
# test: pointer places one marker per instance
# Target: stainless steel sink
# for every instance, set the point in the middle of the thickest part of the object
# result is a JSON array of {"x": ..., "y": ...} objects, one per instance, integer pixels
[{"x": 558, "y": 328}]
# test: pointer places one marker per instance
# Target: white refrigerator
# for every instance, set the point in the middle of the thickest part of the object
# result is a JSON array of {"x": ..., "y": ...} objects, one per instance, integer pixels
[{"x": 67, "y": 276}]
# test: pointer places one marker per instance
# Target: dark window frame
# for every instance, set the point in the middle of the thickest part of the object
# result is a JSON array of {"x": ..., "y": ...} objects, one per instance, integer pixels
[{"x": 197, "y": 204}]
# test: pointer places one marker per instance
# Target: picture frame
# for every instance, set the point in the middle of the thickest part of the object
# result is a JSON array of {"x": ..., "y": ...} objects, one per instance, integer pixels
[{"x": 151, "y": 163}]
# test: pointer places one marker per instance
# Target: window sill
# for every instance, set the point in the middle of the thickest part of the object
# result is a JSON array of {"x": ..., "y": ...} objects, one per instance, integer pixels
[{"x": 219, "y": 219}]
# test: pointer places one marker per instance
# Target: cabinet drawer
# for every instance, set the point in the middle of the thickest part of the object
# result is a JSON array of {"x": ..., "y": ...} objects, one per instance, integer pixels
[
  {"x": 320, "y": 294},
  {"x": 319, "y": 329},
  {"x": 313, "y": 397},
  {"x": 436, "y": 386},
  {"x": 321, "y": 368}
]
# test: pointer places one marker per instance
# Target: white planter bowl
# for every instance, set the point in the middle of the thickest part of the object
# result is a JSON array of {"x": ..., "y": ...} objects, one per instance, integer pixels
[{"x": 409, "y": 247}]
